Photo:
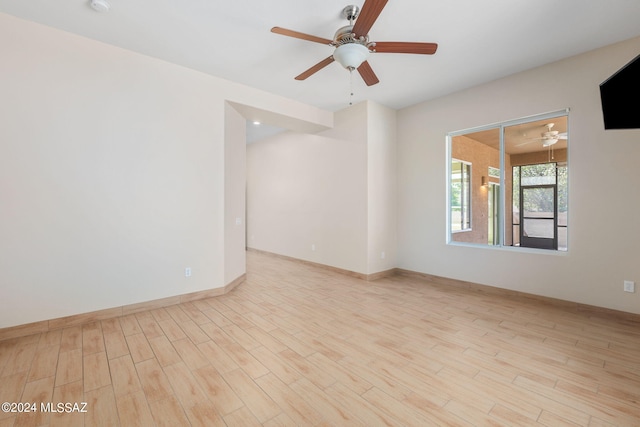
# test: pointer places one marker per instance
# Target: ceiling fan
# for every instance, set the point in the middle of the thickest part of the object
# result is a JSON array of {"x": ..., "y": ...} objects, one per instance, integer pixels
[
  {"x": 548, "y": 138},
  {"x": 352, "y": 45}
]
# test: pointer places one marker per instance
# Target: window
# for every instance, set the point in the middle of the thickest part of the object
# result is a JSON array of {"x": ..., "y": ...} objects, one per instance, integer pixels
[
  {"x": 494, "y": 172},
  {"x": 460, "y": 195},
  {"x": 517, "y": 193}
]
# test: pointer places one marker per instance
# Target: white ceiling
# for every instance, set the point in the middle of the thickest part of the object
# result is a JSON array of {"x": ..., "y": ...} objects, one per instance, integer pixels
[{"x": 479, "y": 41}]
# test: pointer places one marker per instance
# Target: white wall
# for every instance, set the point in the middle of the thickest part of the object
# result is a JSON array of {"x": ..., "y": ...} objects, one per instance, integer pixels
[
  {"x": 112, "y": 175},
  {"x": 381, "y": 188},
  {"x": 305, "y": 190},
  {"x": 235, "y": 173},
  {"x": 604, "y": 244},
  {"x": 335, "y": 190},
  {"x": 112, "y": 180}
]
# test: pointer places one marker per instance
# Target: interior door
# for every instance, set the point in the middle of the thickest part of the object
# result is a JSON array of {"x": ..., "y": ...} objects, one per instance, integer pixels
[{"x": 539, "y": 216}]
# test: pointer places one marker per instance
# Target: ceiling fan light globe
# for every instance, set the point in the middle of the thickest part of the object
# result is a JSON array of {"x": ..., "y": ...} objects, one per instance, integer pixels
[
  {"x": 549, "y": 142},
  {"x": 351, "y": 55}
]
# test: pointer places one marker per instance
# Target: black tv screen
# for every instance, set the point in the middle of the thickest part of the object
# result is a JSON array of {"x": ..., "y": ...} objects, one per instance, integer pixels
[{"x": 620, "y": 97}]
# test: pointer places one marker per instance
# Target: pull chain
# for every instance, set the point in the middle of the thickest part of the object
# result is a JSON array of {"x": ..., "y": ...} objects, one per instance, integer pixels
[{"x": 351, "y": 86}]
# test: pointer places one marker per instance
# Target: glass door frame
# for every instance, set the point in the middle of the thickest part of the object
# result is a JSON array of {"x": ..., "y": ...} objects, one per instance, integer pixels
[
  {"x": 539, "y": 242},
  {"x": 495, "y": 204}
]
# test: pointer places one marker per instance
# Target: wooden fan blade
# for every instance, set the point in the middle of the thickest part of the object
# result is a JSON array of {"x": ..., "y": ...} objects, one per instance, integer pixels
[
  {"x": 299, "y": 35},
  {"x": 319, "y": 66},
  {"x": 370, "y": 11},
  {"x": 406, "y": 47},
  {"x": 367, "y": 74}
]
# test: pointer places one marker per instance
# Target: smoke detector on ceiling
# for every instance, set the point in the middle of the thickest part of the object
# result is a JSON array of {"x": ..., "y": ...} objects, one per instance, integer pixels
[{"x": 100, "y": 5}]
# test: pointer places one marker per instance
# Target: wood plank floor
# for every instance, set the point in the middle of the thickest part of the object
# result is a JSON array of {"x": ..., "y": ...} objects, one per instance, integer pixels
[{"x": 296, "y": 345}]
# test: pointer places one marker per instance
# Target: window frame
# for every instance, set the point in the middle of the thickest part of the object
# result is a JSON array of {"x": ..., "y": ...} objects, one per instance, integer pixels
[
  {"x": 467, "y": 198},
  {"x": 501, "y": 126}
]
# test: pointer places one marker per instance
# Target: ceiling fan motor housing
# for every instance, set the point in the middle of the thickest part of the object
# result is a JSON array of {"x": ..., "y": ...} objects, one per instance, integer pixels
[{"x": 344, "y": 35}]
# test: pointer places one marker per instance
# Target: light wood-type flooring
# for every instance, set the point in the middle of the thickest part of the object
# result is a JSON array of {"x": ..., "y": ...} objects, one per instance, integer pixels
[{"x": 298, "y": 345}]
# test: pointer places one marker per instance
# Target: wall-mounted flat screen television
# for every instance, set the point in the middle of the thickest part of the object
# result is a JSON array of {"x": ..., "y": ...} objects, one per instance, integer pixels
[{"x": 620, "y": 97}]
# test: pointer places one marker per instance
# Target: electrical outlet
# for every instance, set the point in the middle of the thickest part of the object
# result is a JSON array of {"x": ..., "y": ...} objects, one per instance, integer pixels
[
  {"x": 383, "y": 255},
  {"x": 629, "y": 286},
  {"x": 187, "y": 272},
  {"x": 313, "y": 247}
]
